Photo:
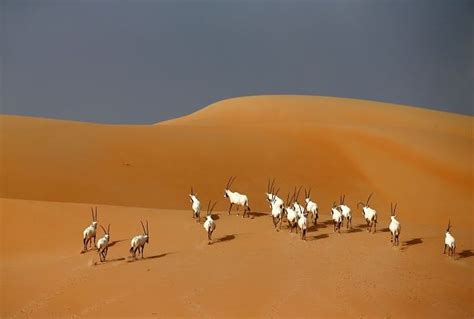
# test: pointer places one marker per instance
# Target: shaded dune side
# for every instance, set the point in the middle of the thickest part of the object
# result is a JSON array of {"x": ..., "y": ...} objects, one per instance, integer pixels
[{"x": 420, "y": 158}]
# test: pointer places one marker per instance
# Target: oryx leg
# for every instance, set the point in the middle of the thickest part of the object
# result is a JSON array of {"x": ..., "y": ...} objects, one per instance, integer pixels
[
  {"x": 444, "y": 252},
  {"x": 230, "y": 208}
]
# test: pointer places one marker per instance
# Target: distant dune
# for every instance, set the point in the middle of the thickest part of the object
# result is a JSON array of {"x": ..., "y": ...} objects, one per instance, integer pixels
[
  {"x": 51, "y": 172},
  {"x": 420, "y": 158}
]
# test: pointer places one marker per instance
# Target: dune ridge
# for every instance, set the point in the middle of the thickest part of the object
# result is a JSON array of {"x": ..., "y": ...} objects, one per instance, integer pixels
[{"x": 312, "y": 141}]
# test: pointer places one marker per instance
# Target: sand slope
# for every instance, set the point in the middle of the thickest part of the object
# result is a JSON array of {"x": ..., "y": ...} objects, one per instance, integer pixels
[
  {"x": 251, "y": 270},
  {"x": 420, "y": 158}
]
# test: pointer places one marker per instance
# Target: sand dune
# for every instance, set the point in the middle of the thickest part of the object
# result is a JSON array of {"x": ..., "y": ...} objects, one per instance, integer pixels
[{"x": 420, "y": 158}]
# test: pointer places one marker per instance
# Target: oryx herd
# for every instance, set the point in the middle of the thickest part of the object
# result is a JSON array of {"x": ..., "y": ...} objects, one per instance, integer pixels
[
  {"x": 295, "y": 214},
  {"x": 137, "y": 243}
]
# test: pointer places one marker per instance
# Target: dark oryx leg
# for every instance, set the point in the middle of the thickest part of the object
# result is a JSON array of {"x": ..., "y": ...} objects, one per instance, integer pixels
[
  {"x": 444, "y": 252},
  {"x": 84, "y": 241},
  {"x": 230, "y": 207}
]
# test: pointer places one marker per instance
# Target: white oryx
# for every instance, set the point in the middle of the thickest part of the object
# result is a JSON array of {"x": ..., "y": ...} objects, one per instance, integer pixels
[
  {"x": 209, "y": 224},
  {"x": 345, "y": 211},
  {"x": 196, "y": 205},
  {"x": 394, "y": 226},
  {"x": 300, "y": 210},
  {"x": 449, "y": 241},
  {"x": 90, "y": 231},
  {"x": 138, "y": 242},
  {"x": 236, "y": 198},
  {"x": 336, "y": 216},
  {"x": 369, "y": 214},
  {"x": 271, "y": 195},
  {"x": 311, "y": 207},
  {"x": 103, "y": 243},
  {"x": 277, "y": 211},
  {"x": 291, "y": 214},
  {"x": 303, "y": 224}
]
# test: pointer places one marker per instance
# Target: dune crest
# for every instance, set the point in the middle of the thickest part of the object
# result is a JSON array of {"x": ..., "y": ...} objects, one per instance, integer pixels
[{"x": 335, "y": 145}]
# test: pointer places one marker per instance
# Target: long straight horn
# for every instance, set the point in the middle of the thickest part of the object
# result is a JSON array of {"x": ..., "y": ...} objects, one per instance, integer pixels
[
  {"x": 233, "y": 179},
  {"x": 268, "y": 186},
  {"x": 228, "y": 183},
  {"x": 298, "y": 194},
  {"x": 212, "y": 208},
  {"x": 108, "y": 229},
  {"x": 192, "y": 192},
  {"x": 208, "y": 205},
  {"x": 272, "y": 186},
  {"x": 395, "y": 209},
  {"x": 368, "y": 199},
  {"x": 92, "y": 211},
  {"x": 449, "y": 225},
  {"x": 143, "y": 227},
  {"x": 343, "y": 198},
  {"x": 305, "y": 193},
  {"x": 391, "y": 209},
  {"x": 360, "y": 203},
  {"x": 147, "y": 231},
  {"x": 96, "y": 212},
  {"x": 309, "y": 192},
  {"x": 340, "y": 199},
  {"x": 105, "y": 232}
]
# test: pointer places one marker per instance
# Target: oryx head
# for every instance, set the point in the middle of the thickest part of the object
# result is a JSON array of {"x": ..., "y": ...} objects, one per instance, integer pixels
[
  {"x": 106, "y": 232},
  {"x": 227, "y": 187}
]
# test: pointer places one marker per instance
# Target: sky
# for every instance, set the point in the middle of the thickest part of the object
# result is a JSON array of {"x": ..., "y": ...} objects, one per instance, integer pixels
[{"x": 145, "y": 61}]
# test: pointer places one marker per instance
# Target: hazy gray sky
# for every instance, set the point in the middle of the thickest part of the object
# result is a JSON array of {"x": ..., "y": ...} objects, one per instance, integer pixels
[{"x": 146, "y": 61}]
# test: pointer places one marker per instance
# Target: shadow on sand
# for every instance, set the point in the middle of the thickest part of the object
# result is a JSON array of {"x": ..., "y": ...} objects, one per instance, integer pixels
[
  {"x": 258, "y": 214},
  {"x": 99, "y": 263},
  {"x": 321, "y": 236},
  {"x": 131, "y": 260},
  {"x": 112, "y": 243},
  {"x": 353, "y": 230},
  {"x": 411, "y": 242},
  {"x": 224, "y": 239},
  {"x": 383, "y": 230},
  {"x": 465, "y": 254}
]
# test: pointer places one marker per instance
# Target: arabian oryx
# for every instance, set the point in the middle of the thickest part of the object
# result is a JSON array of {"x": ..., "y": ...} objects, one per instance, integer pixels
[
  {"x": 236, "y": 198},
  {"x": 449, "y": 241},
  {"x": 138, "y": 242},
  {"x": 90, "y": 232},
  {"x": 195, "y": 205},
  {"x": 394, "y": 226}
]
